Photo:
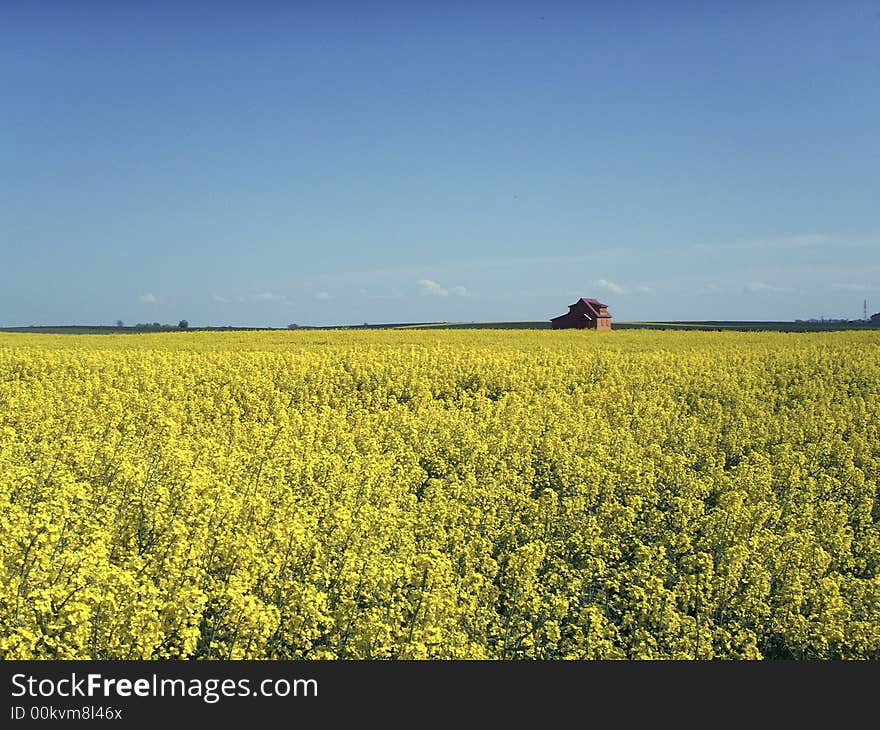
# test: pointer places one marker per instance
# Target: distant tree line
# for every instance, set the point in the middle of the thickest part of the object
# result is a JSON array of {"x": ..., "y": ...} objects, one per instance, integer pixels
[{"x": 182, "y": 324}]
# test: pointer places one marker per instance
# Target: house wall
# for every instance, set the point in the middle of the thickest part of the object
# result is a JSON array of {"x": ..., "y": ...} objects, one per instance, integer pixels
[{"x": 574, "y": 319}]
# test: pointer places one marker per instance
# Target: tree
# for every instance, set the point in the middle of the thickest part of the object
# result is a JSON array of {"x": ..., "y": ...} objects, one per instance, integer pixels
[
  {"x": 120, "y": 323},
  {"x": 293, "y": 326},
  {"x": 183, "y": 324}
]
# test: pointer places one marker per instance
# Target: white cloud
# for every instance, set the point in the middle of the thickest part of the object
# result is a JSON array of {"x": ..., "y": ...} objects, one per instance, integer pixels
[
  {"x": 786, "y": 242},
  {"x": 761, "y": 286},
  {"x": 148, "y": 298},
  {"x": 853, "y": 287},
  {"x": 218, "y": 298},
  {"x": 322, "y": 295},
  {"x": 610, "y": 286},
  {"x": 268, "y": 296},
  {"x": 432, "y": 288},
  {"x": 391, "y": 295},
  {"x": 644, "y": 290},
  {"x": 803, "y": 240}
]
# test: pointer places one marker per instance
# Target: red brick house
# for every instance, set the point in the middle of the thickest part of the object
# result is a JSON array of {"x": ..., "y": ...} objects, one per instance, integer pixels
[{"x": 584, "y": 314}]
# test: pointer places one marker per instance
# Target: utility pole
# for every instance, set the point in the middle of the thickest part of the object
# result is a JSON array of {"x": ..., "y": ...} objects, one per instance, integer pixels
[{"x": 865, "y": 310}]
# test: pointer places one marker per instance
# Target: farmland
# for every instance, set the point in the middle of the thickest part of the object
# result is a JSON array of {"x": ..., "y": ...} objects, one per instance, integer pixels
[
  {"x": 437, "y": 493},
  {"x": 705, "y": 325}
]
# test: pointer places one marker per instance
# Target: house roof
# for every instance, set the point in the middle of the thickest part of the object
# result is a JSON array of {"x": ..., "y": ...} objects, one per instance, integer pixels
[
  {"x": 592, "y": 305},
  {"x": 591, "y": 302}
]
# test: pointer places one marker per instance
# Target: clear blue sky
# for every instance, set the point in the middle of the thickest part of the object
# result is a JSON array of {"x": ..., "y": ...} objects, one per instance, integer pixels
[{"x": 261, "y": 163}]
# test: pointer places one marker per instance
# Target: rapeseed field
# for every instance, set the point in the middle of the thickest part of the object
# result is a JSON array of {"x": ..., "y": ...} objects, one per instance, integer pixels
[{"x": 440, "y": 494}]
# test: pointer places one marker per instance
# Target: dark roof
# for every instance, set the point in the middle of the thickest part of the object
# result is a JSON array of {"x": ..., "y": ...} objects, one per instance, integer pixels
[
  {"x": 593, "y": 302},
  {"x": 592, "y": 306}
]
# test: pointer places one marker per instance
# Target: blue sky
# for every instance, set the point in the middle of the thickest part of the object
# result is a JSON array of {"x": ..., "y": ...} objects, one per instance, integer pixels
[{"x": 337, "y": 163}]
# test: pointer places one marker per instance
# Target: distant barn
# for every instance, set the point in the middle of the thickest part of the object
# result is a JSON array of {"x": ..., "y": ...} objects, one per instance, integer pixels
[{"x": 584, "y": 314}]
